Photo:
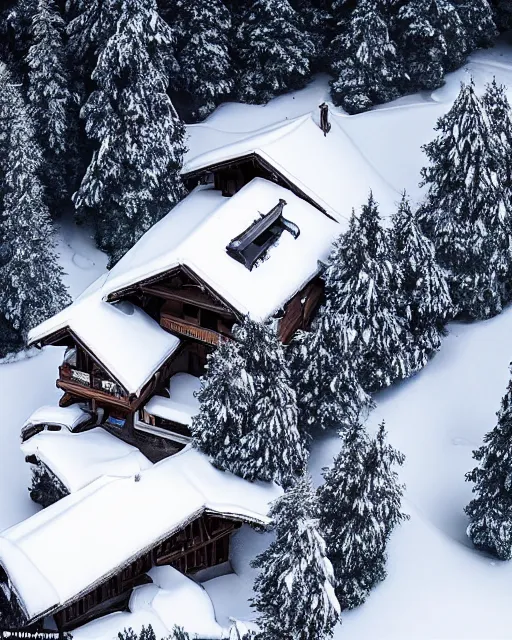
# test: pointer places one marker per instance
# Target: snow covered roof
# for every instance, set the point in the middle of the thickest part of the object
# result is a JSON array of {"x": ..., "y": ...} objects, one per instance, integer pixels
[
  {"x": 172, "y": 600},
  {"x": 112, "y": 333},
  {"x": 78, "y": 459},
  {"x": 182, "y": 405},
  {"x": 70, "y": 417},
  {"x": 289, "y": 264},
  {"x": 173, "y": 242},
  {"x": 68, "y": 548},
  {"x": 330, "y": 170}
]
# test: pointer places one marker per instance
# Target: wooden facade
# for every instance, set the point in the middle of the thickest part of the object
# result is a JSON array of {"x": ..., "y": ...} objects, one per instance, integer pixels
[
  {"x": 201, "y": 544},
  {"x": 301, "y": 309}
]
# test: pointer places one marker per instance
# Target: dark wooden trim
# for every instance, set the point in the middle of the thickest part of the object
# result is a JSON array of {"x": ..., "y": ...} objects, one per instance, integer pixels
[
  {"x": 255, "y": 157},
  {"x": 184, "y": 295}
]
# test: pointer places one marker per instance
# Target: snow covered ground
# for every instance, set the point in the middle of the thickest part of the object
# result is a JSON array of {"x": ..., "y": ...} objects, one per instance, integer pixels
[{"x": 438, "y": 586}]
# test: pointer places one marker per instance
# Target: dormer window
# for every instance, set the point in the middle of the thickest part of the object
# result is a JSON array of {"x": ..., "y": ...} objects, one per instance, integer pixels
[{"x": 253, "y": 243}]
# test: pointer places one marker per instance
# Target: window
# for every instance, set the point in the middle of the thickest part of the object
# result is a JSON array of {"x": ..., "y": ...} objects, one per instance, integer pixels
[
  {"x": 209, "y": 320},
  {"x": 252, "y": 244},
  {"x": 191, "y": 313}
]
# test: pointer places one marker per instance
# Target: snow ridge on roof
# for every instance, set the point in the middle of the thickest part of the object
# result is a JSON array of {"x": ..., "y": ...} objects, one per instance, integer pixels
[
  {"x": 329, "y": 169},
  {"x": 78, "y": 459},
  {"x": 78, "y": 542}
]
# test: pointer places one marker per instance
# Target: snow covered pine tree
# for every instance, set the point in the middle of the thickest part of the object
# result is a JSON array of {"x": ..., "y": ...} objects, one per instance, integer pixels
[
  {"x": 273, "y": 51},
  {"x": 359, "y": 506},
  {"x": 323, "y": 369},
  {"x": 498, "y": 111},
  {"x": 467, "y": 209},
  {"x": 365, "y": 63},
  {"x": 133, "y": 179},
  {"x": 91, "y": 24},
  {"x": 432, "y": 40},
  {"x": 248, "y": 415},
  {"x": 426, "y": 302},
  {"x": 490, "y": 511},
  {"x": 52, "y": 100},
  {"x": 205, "y": 70},
  {"x": 362, "y": 285},
  {"x": 32, "y": 288},
  {"x": 294, "y": 589},
  {"x": 225, "y": 396}
]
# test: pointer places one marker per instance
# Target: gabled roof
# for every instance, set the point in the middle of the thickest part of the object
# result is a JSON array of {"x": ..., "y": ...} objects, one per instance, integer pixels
[
  {"x": 67, "y": 549},
  {"x": 112, "y": 333},
  {"x": 329, "y": 170},
  {"x": 291, "y": 263},
  {"x": 287, "y": 267}
]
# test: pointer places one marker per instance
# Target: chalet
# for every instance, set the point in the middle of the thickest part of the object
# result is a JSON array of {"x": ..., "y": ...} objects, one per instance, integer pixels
[
  {"x": 83, "y": 556},
  {"x": 167, "y": 304},
  {"x": 249, "y": 239}
]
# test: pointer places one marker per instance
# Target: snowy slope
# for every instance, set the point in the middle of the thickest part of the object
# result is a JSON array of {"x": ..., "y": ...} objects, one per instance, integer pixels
[{"x": 437, "y": 586}]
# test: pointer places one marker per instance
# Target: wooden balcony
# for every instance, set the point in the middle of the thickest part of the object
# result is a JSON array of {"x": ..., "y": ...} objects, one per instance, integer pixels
[
  {"x": 179, "y": 326},
  {"x": 86, "y": 385}
]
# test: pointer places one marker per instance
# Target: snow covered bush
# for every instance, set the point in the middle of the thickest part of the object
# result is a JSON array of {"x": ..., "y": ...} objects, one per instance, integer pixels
[
  {"x": 11, "y": 614},
  {"x": 45, "y": 487},
  {"x": 468, "y": 207},
  {"x": 490, "y": 511},
  {"x": 362, "y": 288},
  {"x": 294, "y": 589},
  {"x": 359, "y": 506},
  {"x": 247, "y": 421}
]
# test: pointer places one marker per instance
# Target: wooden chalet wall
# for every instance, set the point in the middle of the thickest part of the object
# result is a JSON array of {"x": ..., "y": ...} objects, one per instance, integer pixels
[
  {"x": 201, "y": 544},
  {"x": 300, "y": 309}
]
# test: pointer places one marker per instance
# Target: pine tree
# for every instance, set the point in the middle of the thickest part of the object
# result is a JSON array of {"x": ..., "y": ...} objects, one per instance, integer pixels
[
  {"x": 362, "y": 286},
  {"x": 15, "y": 30},
  {"x": 294, "y": 590},
  {"x": 133, "y": 179},
  {"x": 432, "y": 39},
  {"x": 329, "y": 395},
  {"x": 32, "y": 288},
  {"x": 225, "y": 396},
  {"x": 273, "y": 51},
  {"x": 426, "y": 298},
  {"x": 490, "y": 511},
  {"x": 147, "y": 633},
  {"x": 318, "y": 20},
  {"x": 466, "y": 209},
  {"x": 503, "y": 14},
  {"x": 497, "y": 108},
  {"x": 51, "y": 99},
  {"x": 359, "y": 506},
  {"x": 271, "y": 447},
  {"x": 93, "y": 23},
  {"x": 364, "y": 61},
  {"x": 127, "y": 634},
  {"x": 206, "y": 73},
  {"x": 247, "y": 421},
  {"x": 478, "y": 20}
]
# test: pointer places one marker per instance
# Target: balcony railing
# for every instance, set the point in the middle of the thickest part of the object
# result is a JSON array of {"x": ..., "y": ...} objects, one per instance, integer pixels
[
  {"x": 70, "y": 374},
  {"x": 192, "y": 331}
]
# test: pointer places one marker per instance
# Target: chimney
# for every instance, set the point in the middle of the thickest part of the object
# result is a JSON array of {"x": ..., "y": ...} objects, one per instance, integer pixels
[{"x": 325, "y": 125}]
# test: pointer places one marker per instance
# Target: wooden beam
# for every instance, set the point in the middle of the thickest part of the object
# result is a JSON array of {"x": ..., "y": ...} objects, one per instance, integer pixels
[{"x": 189, "y": 296}]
